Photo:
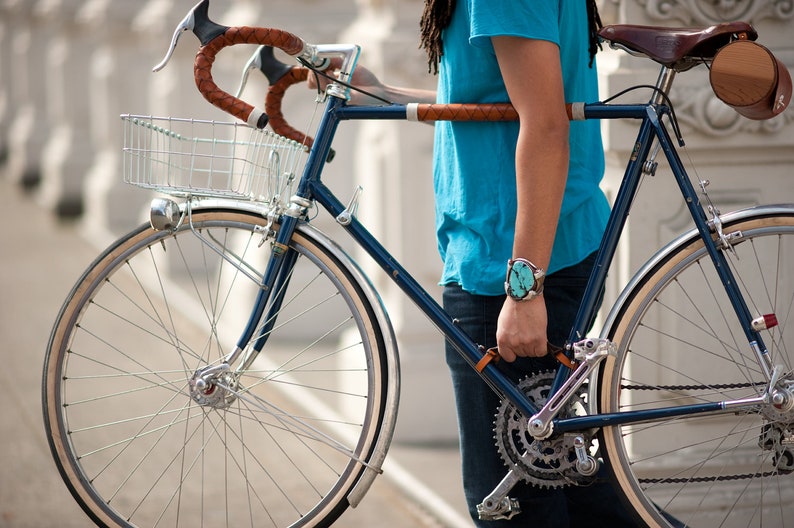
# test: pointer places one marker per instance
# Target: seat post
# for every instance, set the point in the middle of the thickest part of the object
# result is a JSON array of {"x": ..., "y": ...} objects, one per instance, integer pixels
[{"x": 663, "y": 84}]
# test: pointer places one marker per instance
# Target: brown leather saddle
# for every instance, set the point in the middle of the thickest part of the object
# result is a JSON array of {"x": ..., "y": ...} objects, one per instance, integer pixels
[{"x": 677, "y": 48}]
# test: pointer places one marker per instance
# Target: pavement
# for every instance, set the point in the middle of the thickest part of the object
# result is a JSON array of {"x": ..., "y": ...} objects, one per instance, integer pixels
[{"x": 40, "y": 258}]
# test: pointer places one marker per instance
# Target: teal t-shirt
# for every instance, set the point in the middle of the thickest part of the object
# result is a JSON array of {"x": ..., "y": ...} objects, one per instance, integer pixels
[{"x": 474, "y": 163}]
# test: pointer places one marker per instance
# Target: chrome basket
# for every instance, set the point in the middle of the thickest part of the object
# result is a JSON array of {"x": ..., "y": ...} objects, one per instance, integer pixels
[{"x": 198, "y": 158}]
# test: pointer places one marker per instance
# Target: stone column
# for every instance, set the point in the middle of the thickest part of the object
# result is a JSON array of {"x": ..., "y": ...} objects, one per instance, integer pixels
[
  {"x": 120, "y": 66},
  {"x": 66, "y": 156},
  {"x": 29, "y": 41}
]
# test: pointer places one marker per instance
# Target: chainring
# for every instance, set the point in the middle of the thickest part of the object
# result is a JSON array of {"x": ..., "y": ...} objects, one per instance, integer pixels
[{"x": 548, "y": 463}]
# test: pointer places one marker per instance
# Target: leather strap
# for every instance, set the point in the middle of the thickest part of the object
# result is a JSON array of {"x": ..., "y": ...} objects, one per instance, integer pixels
[
  {"x": 492, "y": 354},
  {"x": 560, "y": 355}
]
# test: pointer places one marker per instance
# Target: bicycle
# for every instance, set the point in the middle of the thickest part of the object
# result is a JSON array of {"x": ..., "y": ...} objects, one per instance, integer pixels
[{"x": 163, "y": 407}]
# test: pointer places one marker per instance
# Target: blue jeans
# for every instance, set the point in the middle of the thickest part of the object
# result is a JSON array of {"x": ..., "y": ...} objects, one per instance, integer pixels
[{"x": 592, "y": 506}]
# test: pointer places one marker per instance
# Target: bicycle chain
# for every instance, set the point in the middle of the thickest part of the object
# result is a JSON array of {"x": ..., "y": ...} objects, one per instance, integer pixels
[
  {"x": 531, "y": 474},
  {"x": 719, "y": 387},
  {"x": 685, "y": 480}
]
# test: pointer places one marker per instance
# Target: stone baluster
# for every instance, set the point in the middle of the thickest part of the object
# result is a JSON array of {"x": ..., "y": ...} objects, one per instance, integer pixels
[
  {"x": 28, "y": 119},
  {"x": 67, "y": 154}
]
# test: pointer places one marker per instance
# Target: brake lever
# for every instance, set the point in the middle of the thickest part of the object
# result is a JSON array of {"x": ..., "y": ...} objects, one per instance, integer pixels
[
  {"x": 265, "y": 61},
  {"x": 197, "y": 21}
]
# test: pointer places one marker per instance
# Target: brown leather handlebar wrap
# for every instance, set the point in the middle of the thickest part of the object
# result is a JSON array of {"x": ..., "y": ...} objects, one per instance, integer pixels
[
  {"x": 202, "y": 67},
  {"x": 294, "y": 45},
  {"x": 275, "y": 95}
]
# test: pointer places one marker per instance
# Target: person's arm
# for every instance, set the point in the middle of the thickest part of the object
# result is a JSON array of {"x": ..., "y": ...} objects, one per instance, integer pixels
[
  {"x": 368, "y": 81},
  {"x": 533, "y": 77}
]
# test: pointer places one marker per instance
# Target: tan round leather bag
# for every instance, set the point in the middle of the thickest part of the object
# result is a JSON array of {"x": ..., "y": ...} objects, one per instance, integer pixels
[{"x": 750, "y": 79}]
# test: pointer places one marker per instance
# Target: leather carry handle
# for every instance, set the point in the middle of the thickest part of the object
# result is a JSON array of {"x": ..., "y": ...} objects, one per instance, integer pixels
[{"x": 478, "y": 112}]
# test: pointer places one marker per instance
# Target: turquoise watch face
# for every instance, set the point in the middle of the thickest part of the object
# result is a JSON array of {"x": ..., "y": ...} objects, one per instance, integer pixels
[{"x": 520, "y": 279}]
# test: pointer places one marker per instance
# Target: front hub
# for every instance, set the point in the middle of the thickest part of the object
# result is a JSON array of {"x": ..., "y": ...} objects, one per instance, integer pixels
[{"x": 213, "y": 387}]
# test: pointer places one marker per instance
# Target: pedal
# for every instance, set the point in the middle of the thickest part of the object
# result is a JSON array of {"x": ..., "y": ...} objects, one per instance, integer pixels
[
  {"x": 498, "y": 506},
  {"x": 505, "y": 509}
]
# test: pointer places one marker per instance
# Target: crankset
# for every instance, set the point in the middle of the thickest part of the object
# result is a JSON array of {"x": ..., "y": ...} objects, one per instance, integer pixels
[{"x": 560, "y": 459}]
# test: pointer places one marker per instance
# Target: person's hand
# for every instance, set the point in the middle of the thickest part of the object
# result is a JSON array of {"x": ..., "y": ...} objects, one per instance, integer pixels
[
  {"x": 362, "y": 78},
  {"x": 521, "y": 329}
]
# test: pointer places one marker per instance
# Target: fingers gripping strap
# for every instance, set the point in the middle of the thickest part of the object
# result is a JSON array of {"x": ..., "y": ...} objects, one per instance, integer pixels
[
  {"x": 492, "y": 356},
  {"x": 205, "y": 57}
]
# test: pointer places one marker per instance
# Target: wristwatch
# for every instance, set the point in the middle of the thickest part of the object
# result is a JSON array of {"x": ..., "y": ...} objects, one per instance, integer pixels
[{"x": 524, "y": 280}]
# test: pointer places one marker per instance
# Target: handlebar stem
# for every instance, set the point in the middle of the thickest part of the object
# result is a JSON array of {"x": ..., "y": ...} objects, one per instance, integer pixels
[{"x": 349, "y": 54}]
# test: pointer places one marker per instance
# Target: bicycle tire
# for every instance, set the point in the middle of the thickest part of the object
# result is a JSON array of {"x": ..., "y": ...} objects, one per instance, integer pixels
[
  {"x": 288, "y": 440},
  {"x": 677, "y": 343}
]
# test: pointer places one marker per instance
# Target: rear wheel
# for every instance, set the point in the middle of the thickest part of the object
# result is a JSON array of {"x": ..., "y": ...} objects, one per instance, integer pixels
[
  {"x": 678, "y": 343},
  {"x": 141, "y": 439}
]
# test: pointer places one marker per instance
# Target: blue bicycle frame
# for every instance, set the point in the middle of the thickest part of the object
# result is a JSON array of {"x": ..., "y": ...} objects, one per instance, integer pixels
[{"x": 651, "y": 129}]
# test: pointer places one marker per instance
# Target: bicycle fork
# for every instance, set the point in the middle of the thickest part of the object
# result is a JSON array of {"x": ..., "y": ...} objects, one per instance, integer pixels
[
  {"x": 270, "y": 296},
  {"x": 166, "y": 215}
]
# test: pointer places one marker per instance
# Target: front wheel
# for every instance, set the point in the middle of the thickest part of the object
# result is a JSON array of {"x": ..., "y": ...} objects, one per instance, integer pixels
[
  {"x": 141, "y": 440},
  {"x": 679, "y": 343}
]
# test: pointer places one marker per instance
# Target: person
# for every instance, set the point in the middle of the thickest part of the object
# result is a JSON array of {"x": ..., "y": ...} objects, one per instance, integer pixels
[{"x": 525, "y": 190}]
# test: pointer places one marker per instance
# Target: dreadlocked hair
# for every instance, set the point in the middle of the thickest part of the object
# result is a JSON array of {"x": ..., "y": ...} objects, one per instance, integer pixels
[
  {"x": 435, "y": 18},
  {"x": 438, "y": 13},
  {"x": 594, "y": 22}
]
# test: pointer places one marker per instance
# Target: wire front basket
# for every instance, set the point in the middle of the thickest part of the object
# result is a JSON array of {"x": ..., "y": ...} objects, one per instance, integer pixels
[{"x": 191, "y": 157}]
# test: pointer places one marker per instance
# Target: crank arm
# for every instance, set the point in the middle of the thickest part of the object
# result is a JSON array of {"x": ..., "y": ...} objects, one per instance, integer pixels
[
  {"x": 589, "y": 353},
  {"x": 497, "y": 505}
]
